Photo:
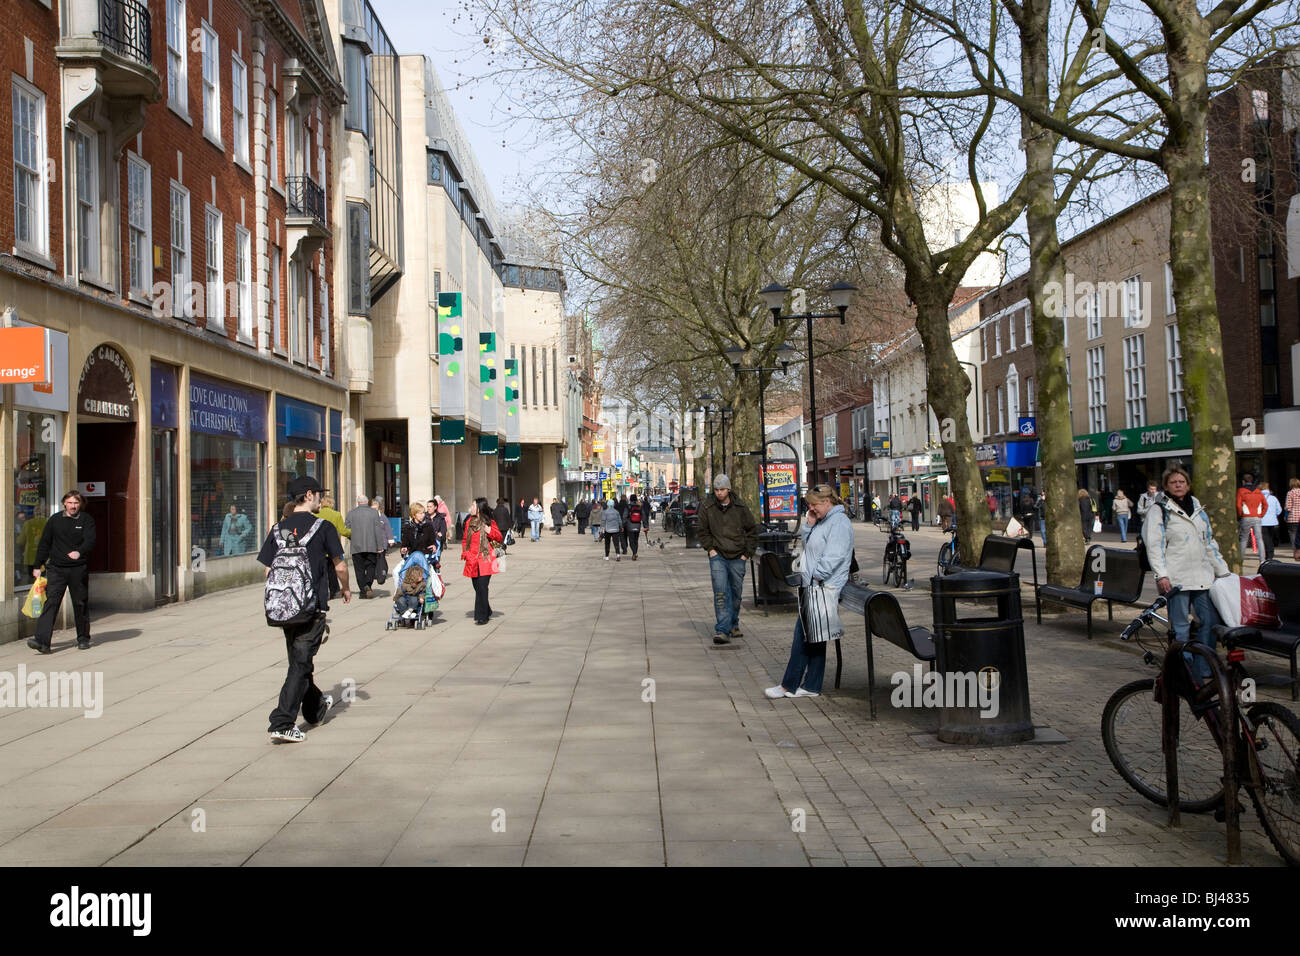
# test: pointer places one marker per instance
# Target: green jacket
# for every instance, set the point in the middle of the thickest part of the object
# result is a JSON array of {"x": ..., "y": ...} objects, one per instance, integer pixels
[
  {"x": 336, "y": 519},
  {"x": 731, "y": 531}
]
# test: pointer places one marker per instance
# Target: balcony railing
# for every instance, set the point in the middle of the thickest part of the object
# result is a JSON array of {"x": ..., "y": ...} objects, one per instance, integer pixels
[
  {"x": 125, "y": 28},
  {"x": 305, "y": 197}
]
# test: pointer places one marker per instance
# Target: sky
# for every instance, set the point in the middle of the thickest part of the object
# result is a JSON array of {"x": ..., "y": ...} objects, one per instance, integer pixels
[{"x": 443, "y": 31}]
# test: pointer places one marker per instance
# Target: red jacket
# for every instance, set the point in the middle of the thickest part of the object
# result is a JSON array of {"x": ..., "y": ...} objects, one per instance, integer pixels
[
  {"x": 1250, "y": 503},
  {"x": 475, "y": 563}
]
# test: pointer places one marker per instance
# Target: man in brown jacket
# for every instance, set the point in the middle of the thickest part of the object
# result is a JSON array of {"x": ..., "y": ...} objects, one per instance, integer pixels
[{"x": 729, "y": 533}]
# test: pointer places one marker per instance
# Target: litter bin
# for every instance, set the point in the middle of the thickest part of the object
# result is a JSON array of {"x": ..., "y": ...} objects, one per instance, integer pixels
[
  {"x": 981, "y": 660},
  {"x": 691, "y": 524},
  {"x": 769, "y": 573}
]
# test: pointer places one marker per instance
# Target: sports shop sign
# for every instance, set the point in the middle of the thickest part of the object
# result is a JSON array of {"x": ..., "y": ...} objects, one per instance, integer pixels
[{"x": 106, "y": 388}]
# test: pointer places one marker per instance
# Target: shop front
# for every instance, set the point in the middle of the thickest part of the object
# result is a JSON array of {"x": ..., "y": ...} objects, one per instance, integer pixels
[
  {"x": 40, "y": 416},
  {"x": 164, "y": 420},
  {"x": 1128, "y": 459},
  {"x": 229, "y": 515},
  {"x": 107, "y": 473},
  {"x": 300, "y": 445}
]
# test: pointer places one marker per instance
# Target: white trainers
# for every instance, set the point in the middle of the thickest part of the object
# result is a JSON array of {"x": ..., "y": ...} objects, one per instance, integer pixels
[
  {"x": 291, "y": 736},
  {"x": 802, "y": 693},
  {"x": 606, "y": 557},
  {"x": 777, "y": 692}
]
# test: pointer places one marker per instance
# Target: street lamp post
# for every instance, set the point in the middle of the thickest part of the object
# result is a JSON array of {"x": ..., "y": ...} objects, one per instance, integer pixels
[
  {"x": 764, "y": 374},
  {"x": 715, "y": 414},
  {"x": 841, "y": 293}
]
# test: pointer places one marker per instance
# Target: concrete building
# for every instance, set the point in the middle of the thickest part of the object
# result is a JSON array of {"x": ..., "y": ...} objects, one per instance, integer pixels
[{"x": 166, "y": 221}]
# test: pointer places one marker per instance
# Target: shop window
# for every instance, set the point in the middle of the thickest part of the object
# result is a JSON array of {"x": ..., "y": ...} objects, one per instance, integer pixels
[
  {"x": 36, "y": 494},
  {"x": 227, "y": 503}
]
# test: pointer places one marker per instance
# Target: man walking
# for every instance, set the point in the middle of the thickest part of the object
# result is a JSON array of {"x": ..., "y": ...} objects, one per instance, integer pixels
[
  {"x": 558, "y": 511},
  {"x": 65, "y": 547},
  {"x": 580, "y": 511},
  {"x": 895, "y": 509},
  {"x": 1146, "y": 500},
  {"x": 1251, "y": 508},
  {"x": 729, "y": 533},
  {"x": 535, "y": 517},
  {"x": 302, "y": 641},
  {"x": 369, "y": 534},
  {"x": 1272, "y": 511},
  {"x": 914, "y": 504},
  {"x": 501, "y": 515}
]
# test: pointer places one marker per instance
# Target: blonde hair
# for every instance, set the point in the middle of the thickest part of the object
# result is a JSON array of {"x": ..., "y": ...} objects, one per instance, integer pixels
[
  {"x": 819, "y": 493},
  {"x": 414, "y": 510},
  {"x": 1175, "y": 470}
]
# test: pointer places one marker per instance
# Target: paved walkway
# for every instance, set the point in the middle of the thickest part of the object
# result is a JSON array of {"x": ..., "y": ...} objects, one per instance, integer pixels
[{"x": 534, "y": 741}]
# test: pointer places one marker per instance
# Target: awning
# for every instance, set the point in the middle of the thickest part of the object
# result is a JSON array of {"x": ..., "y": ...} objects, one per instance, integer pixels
[{"x": 942, "y": 479}]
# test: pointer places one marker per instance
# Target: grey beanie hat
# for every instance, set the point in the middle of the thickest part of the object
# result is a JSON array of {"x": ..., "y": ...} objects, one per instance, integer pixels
[{"x": 721, "y": 481}]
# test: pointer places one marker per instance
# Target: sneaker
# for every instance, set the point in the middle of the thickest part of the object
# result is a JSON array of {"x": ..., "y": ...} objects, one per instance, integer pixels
[
  {"x": 327, "y": 701},
  {"x": 776, "y": 693},
  {"x": 291, "y": 736},
  {"x": 634, "y": 557},
  {"x": 37, "y": 646},
  {"x": 606, "y": 557},
  {"x": 721, "y": 639},
  {"x": 408, "y": 615},
  {"x": 619, "y": 558},
  {"x": 735, "y": 632},
  {"x": 802, "y": 693}
]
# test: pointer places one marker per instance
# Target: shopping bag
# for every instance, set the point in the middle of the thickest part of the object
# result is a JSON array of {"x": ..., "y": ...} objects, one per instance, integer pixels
[
  {"x": 1096, "y": 526},
  {"x": 1014, "y": 528},
  {"x": 1244, "y": 602},
  {"x": 35, "y": 602},
  {"x": 381, "y": 568},
  {"x": 820, "y": 613},
  {"x": 436, "y": 587}
]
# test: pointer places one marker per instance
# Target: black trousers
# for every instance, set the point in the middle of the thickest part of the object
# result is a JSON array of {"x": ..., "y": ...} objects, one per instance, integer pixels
[
  {"x": 582, "y": 526},
  {"x": 482, "y": 609},
  {"x": 630, "y": 537},
  {"x": 333, "y": 578},
  {"x": 916, "y": 521},
  {"x": 57, "y": 581},
  {"x": 365, "y": 563},
  {"x": 301, "y": 642}
]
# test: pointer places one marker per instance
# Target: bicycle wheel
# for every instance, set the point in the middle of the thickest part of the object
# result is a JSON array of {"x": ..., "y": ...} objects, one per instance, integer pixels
[
  {"x": 884, "y": 579},
  {"x": 900, "y": 574},
  {"x": 1130, "y": 730},
  {"x": 945, "y": 557},
  {"x": 1277, "y": 799}
]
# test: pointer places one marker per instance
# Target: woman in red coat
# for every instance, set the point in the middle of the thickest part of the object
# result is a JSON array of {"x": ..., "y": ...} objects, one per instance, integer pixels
[{"x": 480, "y": 532}]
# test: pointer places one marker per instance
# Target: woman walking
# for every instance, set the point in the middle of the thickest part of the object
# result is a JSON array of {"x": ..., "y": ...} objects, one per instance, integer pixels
[
  {"x": 535, "y": 518},
  {"x": 827, "y": 554},
  {"x": 1086, "y": 512},
  {"x": 1123, "y": 509},
  {"x": 480, "y": 534},
  {"x": 632, "y": 524},
  {"x": 1292, "y": 507},
  {"x": 612, "y": 524},
  {"x": 1183, "y": 554},
  {"x": 597, "y": 518},
  {"x": 418, "y": 532}
]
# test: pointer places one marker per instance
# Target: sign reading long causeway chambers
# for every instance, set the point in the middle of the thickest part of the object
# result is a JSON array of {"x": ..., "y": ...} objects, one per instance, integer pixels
[{"x": 107, "y": 386}]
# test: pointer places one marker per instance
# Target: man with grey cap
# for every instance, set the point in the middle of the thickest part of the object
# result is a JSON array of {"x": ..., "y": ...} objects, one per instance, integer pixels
[{"x": 728, "y": 531}]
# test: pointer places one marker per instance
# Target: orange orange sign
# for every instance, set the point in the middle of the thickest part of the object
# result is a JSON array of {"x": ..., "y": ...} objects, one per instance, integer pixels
[{"x": 22, "y": 356}]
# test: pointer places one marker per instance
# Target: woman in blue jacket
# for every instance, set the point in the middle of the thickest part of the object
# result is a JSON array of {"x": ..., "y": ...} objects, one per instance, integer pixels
[{"x": 827, "y": 554}]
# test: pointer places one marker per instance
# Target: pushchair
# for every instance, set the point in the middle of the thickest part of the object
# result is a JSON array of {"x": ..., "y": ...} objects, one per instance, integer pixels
[{"x": 418, "y": 590}]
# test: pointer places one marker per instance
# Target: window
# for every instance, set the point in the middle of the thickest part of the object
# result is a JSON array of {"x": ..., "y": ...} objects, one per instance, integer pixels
[
  {"x": 292, "y": 154},
  {"x": 1135, "y": 382},
  {"x": 1013, "y": 399},
  {"x": 988, "y": 422},
  {"x": 523, "y": 379},
  {"x": 324, "y": 325},
  {"x": 138, "y": 218},
  {"x": 37, "y": 486},
  {"x": 272, "y": 136},
  {"x": 275, "y": 302},
  {"x": 545, "y": 401},
  {"x": 1065, "y": 329},
  {"x": 244, "y": 282},
  {"x": 239, "y": 106},
  {"x": 984, "y": 343},
  {"x": 1170, "y": 308},
  {"x": 1069, "y": 392},
  {"x": 31, "y": 196},
  {"x": 1092, "y": 313},
  {"x": 85, "y": 149},
  {"x": 358, "y": 259},
  {"x": 1029, "y": 326},
  {"x": 830, "y": 436},
  {"x": 354, "y": 78},
  {"x": 295, "y": 310},
  {"x": 308, "y": 335},
  {"x": 1174, "y": 372},
  {"x": 1011, "y": 333},
  {"x": 182, "y": 307},
  {"x": 1097, "y": 389},
  {"x": 1002, "y": 410},
  {"x": 1133, "y": 314},
  {"x": 555, "y": 376},
  {"x": 211, "y": 85},
  {"x": 997, "y": 337},
  {"x": 177, "y": 81},
  {"x": 1029, "y": 396},
  {"x": 212, "y": 232}
]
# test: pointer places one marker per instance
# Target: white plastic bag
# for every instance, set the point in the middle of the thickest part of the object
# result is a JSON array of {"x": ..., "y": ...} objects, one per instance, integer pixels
[
  {"x": 1096, "y": 525},
  {"x": 437, "y": 587},
  {"x": 820, "y": 612}
]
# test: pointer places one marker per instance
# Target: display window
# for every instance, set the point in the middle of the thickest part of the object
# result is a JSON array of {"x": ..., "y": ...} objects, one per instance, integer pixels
[{"x": 36, "y": 483}]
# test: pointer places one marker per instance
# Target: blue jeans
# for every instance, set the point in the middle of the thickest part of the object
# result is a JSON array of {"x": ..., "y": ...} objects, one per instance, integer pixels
[
  {"x": 1042, "y": 530},
  {"x": 1206, "y": 616},
  {"x": 1123, "y": 526},
  {"x": 728, "y": 577},
  {"x": 595, "y": 532},
  {"x": 537, "y": 529},
  {"x": 807, "y": 664}
]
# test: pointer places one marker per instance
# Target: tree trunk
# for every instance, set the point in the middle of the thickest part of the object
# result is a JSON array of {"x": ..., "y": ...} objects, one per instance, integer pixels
[
  {"x": 1214, "y": 468},
  {"x": 1065, "y": 544},
  {"x": 947, "y": 388}
]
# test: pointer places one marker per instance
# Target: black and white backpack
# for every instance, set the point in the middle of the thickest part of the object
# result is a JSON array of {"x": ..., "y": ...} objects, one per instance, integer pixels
[{"x": 290, "y": 587}]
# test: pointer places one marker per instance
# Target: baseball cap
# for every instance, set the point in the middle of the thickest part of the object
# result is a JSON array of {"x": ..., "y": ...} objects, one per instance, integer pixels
[{"x": 302, "y": 485}]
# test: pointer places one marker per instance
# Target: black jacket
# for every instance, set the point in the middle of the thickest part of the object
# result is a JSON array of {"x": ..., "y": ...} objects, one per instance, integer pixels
[
  {"x": 502, "y": 517},
  {"x": 419, "y": 537},
  {"x": 558, "y": 511},
  {"x": 581, "y": 510},
  {"x": 63, "y": 534}
]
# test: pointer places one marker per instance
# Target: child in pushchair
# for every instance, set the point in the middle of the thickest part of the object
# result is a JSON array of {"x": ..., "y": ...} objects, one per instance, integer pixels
[{"x": 419, "y": 587}]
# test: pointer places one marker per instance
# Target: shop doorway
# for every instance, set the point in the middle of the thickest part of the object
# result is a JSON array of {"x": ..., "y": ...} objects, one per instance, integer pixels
[
  {"x": 164, "y": 515},
  {"x": 106, "y": 455}
]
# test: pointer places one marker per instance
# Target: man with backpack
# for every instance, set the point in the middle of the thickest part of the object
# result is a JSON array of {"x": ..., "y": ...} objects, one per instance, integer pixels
[
  {"x": 296, "y": 554},
  {"x": 633, "y": 522}
]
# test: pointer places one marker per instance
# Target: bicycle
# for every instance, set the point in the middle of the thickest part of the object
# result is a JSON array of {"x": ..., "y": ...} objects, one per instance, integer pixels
[
  {"x": 950, "y": 553},
  {"x": 1267, "y": 749},
  {"x": 897, "y": 552}
]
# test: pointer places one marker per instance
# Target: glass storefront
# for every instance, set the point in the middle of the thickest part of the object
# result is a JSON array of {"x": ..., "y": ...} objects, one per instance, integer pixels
[
  {"x": 228, "y": 512},
  {"x": 36, "y": 484}
]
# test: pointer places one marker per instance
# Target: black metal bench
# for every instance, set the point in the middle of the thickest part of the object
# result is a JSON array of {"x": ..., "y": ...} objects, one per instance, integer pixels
[
  {"x": 884, "y": 618},
  {"x": 1284, "y": 640},
  {"x": 999, "y": 553},
  {"x": 1122, "y": 577}
]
